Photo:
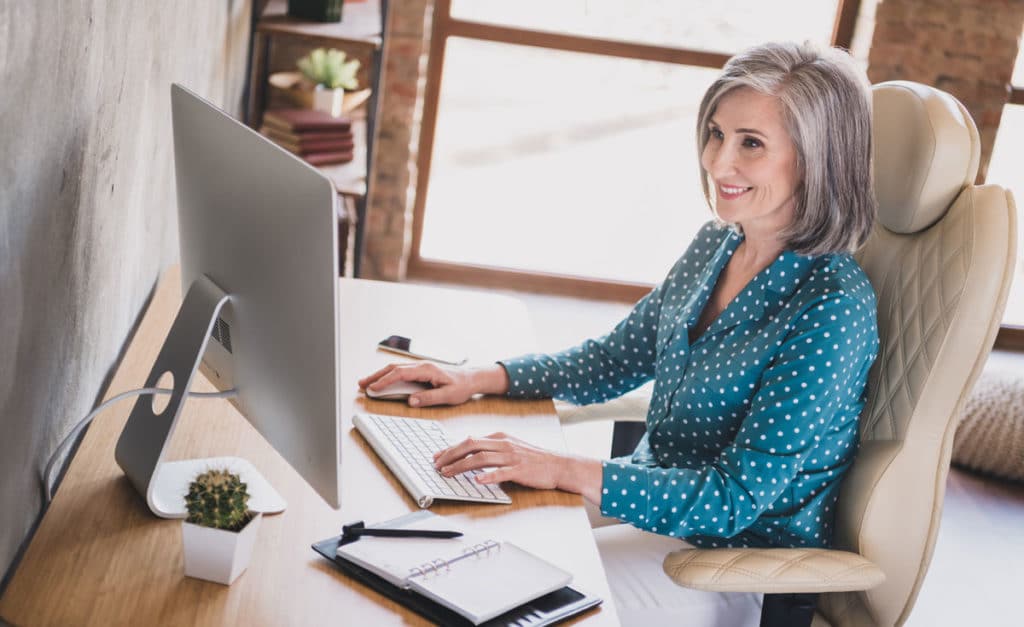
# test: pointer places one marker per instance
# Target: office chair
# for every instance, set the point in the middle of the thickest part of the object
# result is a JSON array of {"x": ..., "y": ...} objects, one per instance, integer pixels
[{"x": 940, "y": 259}]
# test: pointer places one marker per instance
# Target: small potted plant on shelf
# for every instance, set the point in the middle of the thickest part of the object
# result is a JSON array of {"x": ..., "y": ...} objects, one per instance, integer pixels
[
  {"x": 220, "y": 531},
  {"x": 319, "y": 88},
  {"x": 331, "y": 75}
]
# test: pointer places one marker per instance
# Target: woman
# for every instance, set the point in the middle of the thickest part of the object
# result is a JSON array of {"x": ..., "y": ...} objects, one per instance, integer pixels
[{"x": 759, "y": 340}]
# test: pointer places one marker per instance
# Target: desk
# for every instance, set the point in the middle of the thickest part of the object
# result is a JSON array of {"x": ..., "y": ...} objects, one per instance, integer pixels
[{"x": 100, "y": 558}]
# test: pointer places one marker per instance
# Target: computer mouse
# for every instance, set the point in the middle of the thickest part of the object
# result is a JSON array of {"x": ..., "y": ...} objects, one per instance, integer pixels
[{"x": 398, "y": 391}]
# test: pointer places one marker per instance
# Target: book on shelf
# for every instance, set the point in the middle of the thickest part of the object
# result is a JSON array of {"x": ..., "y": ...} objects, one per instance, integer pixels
[
  {"x": 328, "y": 158},
  {"x": 478, "y": 578},
  {"x": 305, "y": 137},
  {"x": 306, "y": 148},
  {"x": 301, "y": 120}
]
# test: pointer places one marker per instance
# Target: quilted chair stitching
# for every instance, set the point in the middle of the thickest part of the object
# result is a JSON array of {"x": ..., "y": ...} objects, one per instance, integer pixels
[
  {"x": 818, "y": 560},
  {"x": 894, "y": 387},
  {"x": 811, "y": 562},
  {"x": 728, "y": 565},
  {"x": 946, "y": 448},
  {"x": 799, "y": 561},
  {"x": 721, "y": 570}
]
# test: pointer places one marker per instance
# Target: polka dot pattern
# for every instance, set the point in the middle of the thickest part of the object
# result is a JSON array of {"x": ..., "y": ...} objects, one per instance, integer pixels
[{"x": 751, "y": 427}]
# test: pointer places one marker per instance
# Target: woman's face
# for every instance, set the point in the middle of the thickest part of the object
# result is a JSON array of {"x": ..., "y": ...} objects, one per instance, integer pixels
[{"x": 752, "y": 162}]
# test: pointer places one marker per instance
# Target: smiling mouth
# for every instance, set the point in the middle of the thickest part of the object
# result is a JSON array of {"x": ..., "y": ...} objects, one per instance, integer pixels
[{"x": 729, "y": 192}]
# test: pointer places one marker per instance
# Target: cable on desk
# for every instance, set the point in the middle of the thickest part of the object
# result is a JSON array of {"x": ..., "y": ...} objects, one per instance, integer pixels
[{"x": 82, "y": 424}]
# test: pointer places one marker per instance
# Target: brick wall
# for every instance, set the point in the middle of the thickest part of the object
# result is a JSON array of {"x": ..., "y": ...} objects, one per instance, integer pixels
[
  {"x": 388, "y": 232},
  {"x": 965, "y": 47}
]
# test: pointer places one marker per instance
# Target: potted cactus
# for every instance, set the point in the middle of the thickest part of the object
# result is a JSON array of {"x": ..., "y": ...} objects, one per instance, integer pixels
[
  {"x": 220, "y": 531},
  {"x": 330, "y": 74}
]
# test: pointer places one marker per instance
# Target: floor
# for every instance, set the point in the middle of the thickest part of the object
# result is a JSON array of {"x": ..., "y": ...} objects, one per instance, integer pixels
[{"x": 977, "y": 570}]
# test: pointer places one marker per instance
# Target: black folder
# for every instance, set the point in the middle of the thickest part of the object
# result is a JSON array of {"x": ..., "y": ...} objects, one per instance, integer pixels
[{"x": 546, "y": 610}]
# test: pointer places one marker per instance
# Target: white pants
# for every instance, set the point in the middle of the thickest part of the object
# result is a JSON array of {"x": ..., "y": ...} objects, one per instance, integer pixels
[{"x": 643, "y": 593}]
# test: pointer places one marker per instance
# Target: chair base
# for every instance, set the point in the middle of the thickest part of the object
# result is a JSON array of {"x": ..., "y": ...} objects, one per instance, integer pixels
[{"x": 788, "y": 610}]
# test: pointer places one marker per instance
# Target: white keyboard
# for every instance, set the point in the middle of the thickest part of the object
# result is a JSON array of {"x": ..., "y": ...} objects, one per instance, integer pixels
[{"x": 407, "y": 447}]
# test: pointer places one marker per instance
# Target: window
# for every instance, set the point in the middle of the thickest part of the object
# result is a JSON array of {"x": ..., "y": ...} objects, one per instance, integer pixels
[
  {"x": 1004, "y": 169},
  {"x": 559, "y": 162},
  {"x": 555, "y": 134}
]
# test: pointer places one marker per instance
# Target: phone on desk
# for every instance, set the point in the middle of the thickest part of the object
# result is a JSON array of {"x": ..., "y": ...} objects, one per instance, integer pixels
[{"x": 402, "y": 345}]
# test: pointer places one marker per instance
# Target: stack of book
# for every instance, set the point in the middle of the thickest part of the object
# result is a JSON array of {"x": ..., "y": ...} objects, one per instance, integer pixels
[{"x": 315, "y": 136}]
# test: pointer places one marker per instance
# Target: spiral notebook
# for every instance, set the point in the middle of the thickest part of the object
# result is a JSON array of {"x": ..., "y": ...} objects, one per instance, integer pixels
[{"x": 478, "y": 578}]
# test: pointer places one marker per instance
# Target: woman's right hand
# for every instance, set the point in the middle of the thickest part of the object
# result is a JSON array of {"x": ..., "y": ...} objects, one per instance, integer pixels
[{"x": 452, "y": 386}]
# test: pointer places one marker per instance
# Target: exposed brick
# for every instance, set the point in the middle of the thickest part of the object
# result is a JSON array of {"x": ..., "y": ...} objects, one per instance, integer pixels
[
  {"x": 387, "y": 241},
  {"x": 965, "y": 47}
]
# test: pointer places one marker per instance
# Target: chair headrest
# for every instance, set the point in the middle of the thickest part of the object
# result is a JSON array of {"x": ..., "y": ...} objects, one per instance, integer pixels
[{"x": 927, "y": 149}]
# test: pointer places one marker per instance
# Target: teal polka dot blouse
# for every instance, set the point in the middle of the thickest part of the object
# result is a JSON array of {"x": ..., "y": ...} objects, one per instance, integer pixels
[{"x": 752, "y": 426}]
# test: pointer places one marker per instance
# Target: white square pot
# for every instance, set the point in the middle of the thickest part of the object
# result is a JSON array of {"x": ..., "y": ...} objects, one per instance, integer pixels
[{"x": 218, "y": 555}]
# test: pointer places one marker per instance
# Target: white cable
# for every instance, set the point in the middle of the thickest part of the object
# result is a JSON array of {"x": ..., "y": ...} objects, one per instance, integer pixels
[{"x": 71, "y": 437}]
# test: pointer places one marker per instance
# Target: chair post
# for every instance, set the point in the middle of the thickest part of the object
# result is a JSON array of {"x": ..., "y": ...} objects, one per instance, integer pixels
[
  {"x": 625, "y": 437},
  {"x": 788, "y": 610}
]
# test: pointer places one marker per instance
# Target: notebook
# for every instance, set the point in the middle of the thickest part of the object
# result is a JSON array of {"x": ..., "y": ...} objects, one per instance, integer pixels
[{"x": 478, "y": 578}]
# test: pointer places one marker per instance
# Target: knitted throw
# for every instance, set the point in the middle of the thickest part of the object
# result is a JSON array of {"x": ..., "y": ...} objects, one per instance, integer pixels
[{"x": 990, "y": 437}]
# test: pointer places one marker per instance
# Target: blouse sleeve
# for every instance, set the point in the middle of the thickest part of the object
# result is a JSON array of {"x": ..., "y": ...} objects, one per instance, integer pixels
[
  {"x": 816, "y": 379},
  {"x": 601, "y": 369},
  {"x": 597, "y": 369}
]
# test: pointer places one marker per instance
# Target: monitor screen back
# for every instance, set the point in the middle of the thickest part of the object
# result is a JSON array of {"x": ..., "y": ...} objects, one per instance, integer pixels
[{"x": 262, "y": 225}]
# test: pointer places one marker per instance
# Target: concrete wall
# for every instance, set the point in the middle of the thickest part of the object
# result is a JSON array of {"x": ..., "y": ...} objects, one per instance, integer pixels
[{"x": 87, "y": 202}]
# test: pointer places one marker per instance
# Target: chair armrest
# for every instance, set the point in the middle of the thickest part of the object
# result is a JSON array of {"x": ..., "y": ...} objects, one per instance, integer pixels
[
  {"x": 630, "y": 407},
  {"x": 772, "y": 571}
]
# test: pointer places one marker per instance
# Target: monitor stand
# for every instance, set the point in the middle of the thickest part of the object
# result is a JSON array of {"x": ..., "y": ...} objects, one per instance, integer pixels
[{"x": 143, "y": 442}]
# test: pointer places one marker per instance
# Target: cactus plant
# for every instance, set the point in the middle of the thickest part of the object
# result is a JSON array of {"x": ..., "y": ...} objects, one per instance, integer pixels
[
  {"x": 330, "y": 69},
  {"x": 218, "y": 499}
]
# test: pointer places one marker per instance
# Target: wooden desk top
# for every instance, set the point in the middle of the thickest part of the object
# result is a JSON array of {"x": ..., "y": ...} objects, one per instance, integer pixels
[{"x": 100, "y": 558}]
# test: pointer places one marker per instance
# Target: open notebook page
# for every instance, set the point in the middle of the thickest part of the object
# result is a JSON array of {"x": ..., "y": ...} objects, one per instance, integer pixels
[
  {"x": 395, "y": 558},
  {"x": 477, "y": 577},
  {"x": 491, "y": 583}
]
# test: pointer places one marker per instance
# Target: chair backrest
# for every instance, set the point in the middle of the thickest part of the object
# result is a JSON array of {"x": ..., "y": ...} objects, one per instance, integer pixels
[{"x": 940, "y": 259}]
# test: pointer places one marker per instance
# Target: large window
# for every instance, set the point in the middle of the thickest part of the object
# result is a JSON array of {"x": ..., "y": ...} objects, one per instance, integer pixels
[
  {"x": 558, "y": 137},
  {"x": 558, "y": 162},
  {"x": 1005, "y": 169}
]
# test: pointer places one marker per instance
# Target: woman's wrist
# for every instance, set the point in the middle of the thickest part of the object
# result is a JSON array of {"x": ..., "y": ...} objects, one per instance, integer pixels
[
  {"x": 581, "y": 475},
  {"x": 491, "y": 380}
]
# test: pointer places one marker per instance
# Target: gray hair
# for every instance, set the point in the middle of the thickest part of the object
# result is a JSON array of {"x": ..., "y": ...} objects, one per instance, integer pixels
[{"x": 826, "y": 103}]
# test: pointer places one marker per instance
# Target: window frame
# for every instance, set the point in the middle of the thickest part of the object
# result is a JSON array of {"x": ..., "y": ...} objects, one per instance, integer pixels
[{"x": 1011, "y": 336}]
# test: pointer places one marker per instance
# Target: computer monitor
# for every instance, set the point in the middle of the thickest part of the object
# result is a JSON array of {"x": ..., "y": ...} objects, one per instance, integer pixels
[{"x": 259, "y": 268}]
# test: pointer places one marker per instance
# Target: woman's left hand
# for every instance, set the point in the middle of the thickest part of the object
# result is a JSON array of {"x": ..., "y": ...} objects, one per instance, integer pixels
[
  {"x": 522, "y": 463},
  {"x": 513, "y": 460}
]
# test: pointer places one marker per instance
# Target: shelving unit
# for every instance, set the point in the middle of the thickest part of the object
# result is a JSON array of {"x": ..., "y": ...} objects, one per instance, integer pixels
[{"x": 359, "y": 34}]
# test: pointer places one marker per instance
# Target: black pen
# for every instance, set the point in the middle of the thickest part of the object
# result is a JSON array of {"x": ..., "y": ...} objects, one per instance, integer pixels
[
  {"x": 352, "y": 532},
  {"x": 406, "y": 533}
]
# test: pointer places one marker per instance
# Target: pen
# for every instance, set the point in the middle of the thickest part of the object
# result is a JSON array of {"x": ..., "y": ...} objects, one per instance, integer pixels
[
  {"x": 354, "y": 531},
  {"x": 406, "y": 533}
]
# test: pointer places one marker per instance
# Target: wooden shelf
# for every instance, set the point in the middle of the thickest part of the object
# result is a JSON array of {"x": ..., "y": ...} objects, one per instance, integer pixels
[{"x": 359, "y": 25}]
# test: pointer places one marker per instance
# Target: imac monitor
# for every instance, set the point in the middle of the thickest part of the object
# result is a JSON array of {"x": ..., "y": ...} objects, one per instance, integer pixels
[{"x": 259, "y": 268}]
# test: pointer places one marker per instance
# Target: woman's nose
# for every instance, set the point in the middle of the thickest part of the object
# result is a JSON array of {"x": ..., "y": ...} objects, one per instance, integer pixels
[{"x": 722, "y": 161}]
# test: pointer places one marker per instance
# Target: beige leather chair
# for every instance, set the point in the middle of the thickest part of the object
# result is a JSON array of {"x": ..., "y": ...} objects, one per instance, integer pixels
[{"x": 941, "y": 260}]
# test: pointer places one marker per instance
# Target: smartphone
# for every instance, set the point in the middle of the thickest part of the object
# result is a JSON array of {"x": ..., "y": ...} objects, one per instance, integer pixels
[{"x": 420, "y": 350}]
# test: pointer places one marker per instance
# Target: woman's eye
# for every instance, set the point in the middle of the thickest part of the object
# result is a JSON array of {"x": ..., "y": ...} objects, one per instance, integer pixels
[
  {"x": 717, "y": 134},
  {"x": 750, "y": 142}
]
